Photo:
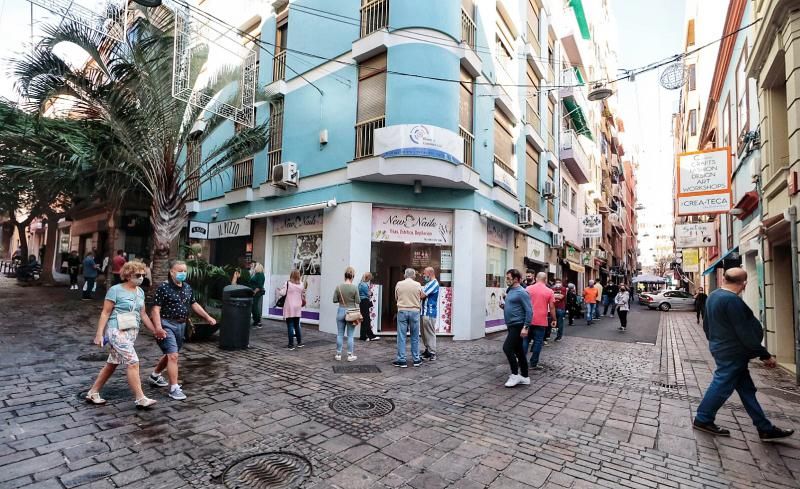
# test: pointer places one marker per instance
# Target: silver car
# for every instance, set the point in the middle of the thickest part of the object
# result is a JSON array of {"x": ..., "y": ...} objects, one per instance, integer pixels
[{"x": 671, "y": 299}]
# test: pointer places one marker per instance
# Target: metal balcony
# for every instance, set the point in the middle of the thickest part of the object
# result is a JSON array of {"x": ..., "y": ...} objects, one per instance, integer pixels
[
  {"x": 574, "y": 157},
  {"x": 374, "y": 16}
]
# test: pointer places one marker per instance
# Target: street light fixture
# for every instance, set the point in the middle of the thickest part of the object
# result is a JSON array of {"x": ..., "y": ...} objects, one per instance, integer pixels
[{"x": 599, "y": 92}]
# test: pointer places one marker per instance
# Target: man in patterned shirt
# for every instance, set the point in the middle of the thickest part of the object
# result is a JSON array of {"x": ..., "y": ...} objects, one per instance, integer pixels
[
  {"x": 430, "y": 310},
  {"x": 174, "y": 302}
]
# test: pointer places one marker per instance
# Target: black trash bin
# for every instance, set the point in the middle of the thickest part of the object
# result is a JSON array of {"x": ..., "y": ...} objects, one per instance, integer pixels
[{"x": 237, "y": 302}]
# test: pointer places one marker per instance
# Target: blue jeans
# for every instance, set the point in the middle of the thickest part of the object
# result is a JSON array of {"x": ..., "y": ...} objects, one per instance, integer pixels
[
  {"x": 591, "y": 310},
  {"x": 293, "y": 328},
  {"x": 341, "y": 327},
  {"x": 732, "y": 375},
  {"x": 407, "y": 320},
  {"x": 560, "y": 315},
  {"x": 535, "y": 336},
  {"x": 603, "y": 301}
]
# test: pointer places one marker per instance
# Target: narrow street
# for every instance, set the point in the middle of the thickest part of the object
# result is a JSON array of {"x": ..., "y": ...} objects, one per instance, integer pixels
[
  {"x": 642, "y": 327},
  {"x": 602, "y": 414}
]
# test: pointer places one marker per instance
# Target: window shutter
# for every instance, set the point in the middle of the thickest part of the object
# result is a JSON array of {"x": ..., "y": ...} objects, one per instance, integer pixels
[
  {"x": 503, "y": 142},
  {"x": 465, "y": 116},
  {"x": 532, "y": 166},
  {"x": 372, "y": 88}
]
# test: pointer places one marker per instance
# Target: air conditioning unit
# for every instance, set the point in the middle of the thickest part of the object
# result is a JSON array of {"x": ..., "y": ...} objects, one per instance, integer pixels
[
  {"x": 549, "y": 190},
  {"x": 557, "y": 241},
  {"x": 525, "y": 217},
  {"x": 285, "y": 175}
]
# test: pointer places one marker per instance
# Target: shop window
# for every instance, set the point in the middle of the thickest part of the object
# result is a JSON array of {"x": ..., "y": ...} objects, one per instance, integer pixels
[{"x": 496, "y": 267}]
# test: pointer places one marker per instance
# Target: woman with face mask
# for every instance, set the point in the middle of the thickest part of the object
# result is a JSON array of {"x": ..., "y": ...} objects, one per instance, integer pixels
[
  {"x": 123, "y": 313},
  {"x": 622, "y": 300}
]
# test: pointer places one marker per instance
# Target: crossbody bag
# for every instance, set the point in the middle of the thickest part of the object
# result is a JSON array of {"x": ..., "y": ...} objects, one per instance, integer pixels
[
  {"x": 129, "y": 320},
  {"x": 352, "y": 314}
]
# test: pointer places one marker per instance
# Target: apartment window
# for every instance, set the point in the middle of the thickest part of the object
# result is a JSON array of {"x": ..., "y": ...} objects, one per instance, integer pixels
[
  {"x": 466, "y": 114},
  {"x": 503, "y": 50},
  {"x": 374, "y": 16},
  {"x": 275, "y": 150},
  {"x": 693, "y": 122},
  {"x": 692, "y": 77},
  {"x": 551, "y": 206},
  {"x": 533, "y": 22},
  {"x": 531, "y": 177},
  {"x": 742, "y": 95},
  {"x": 281, "y": 42},
  {"x": 726, "y": 122},
  {"x": 532, "y": 100},
  {"x": 573, "y": 201},
  {"x": 468, "y": 27},
  {"x": 551, "y": 109},
  {"x": 690, "y": 33},
  {"x": 371, "y": 111},
  {"x": 564, "y": 193},
  {"x": 503, "y": 143}
]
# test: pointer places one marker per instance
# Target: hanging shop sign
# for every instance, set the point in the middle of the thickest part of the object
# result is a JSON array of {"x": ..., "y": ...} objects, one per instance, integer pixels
[
  {"x": 412, "y": 225},
  {"x": 419, "y": 140},
  {"x": 496, "y": 235},
  {"x": 691, "y": 260},
  {"x": 198, "y": 230},
  {"x": 536, "y": 251},
  {"x": 229, "y": 229},
  {"x": 695, "y": 235},
  {"x": 592, "y": 226},
  {"x": 303, "y": 223},
  {"x": 704, "y": 182}
]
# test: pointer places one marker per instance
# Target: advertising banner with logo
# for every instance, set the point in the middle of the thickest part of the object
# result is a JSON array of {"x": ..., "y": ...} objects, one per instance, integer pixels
[
  {"x": 695, "y": 235},
  {"x": 307, "y": 222},
  {"x": 704, "y": 182},
  {"x": 229, "y": 229},
  {"x": 536, "y": 251},
  {"x": 198, "y": 230},
  {"x": 419, "y": 140},
  {"x": 412, "y": 225},
  {"x": 592, "y": 226},
  {"x": 691, "y": 260}
]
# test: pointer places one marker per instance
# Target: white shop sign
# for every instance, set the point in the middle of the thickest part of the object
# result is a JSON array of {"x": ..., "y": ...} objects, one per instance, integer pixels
[
  {"x": 303, "y": 223},
  {"x": 592, "y": 226},
  {"x": 412, "y": 225},
  {"x": 704, "y": 182},
  {"x": 536, "y": 251},
  {"x": 704, "y": 204},
  {"x": 419, "y": 140},
  {"x": 496, "y": 235},
  {"x": 695, "y": 235},
  {"x": 229, "y": 229},
  {"x": 198, "y": 230}
]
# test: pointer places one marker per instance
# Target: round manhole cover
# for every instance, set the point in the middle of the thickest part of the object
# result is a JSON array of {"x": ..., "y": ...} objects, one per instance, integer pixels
[
  {"x": 97, "y": 356},
  {"x": 280, "y": 470},
  {"x": 362, "y": 406}
]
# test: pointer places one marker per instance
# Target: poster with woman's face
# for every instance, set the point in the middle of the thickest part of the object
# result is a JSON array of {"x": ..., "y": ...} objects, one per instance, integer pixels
[{"x": 308, "y": 254}]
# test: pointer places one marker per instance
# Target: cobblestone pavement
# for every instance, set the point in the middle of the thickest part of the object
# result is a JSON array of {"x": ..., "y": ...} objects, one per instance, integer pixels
[{"x": 602, "y": 414}]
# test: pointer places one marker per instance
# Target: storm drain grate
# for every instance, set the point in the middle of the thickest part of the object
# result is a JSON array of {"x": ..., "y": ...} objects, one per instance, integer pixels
[
  {"x": 97, "y": 356},
  {"x": 356, "y": 369},
  {"x": 278, "y": 470},
  {"x": 781, "y": 394},
  {"x": 361, "y": 406}
]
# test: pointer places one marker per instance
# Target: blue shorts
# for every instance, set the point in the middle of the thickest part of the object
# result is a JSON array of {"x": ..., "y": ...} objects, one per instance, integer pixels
[{"x": 174, "y": 340}]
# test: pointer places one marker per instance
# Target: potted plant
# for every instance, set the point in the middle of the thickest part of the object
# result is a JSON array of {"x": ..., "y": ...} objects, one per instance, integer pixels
[{"x": 203, "y": 276}]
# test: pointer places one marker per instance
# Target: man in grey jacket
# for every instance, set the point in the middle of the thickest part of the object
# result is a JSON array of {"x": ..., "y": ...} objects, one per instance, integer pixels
[{"x": 517, "y": 313}]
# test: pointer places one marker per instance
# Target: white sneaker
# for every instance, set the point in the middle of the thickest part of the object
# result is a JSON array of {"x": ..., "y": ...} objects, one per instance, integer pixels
[
  {"x": 177, "y": 394},
  {"x": 338, "y": 357},
  {"x": 351, "y": 358},
  {"x": 513, "y": 380},
  {"x": 524, "y": 380}
]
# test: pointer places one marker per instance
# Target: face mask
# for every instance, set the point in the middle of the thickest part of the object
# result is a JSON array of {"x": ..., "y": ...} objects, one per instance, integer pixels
[
  {"x": 180, "y": 277},
  {"x": 426, "y": 279},
  {"x": 558, "y": 284},
  {"x": 137, "y": 281}
]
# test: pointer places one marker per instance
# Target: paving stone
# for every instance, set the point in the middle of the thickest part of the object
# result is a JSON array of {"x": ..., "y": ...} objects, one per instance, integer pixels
[{"x": 87, "y": 475}]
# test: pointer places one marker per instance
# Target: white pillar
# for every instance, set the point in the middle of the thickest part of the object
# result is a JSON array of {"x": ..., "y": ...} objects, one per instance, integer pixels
[
  {"x": 469, "y": 275},
  {"x": 346, "y": 241}
]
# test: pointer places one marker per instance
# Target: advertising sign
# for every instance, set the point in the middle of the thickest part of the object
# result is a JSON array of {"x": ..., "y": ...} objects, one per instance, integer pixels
[
  {"x": 695, "y": 235},
  {"x": 306, "y": 222},
  {"x": 229, "y": 229},
  {"x": 419, "y": 140},
  {"x": 691, "y": 260},
  {"x": 704, "y": 182},
  {"x": 536, "y": 251},
  {"x": 412, "y": 226},
  {"x": 592, "y": 226},
  {"x": 198, "y": 230},
  {"x": 496, "y": 235}
]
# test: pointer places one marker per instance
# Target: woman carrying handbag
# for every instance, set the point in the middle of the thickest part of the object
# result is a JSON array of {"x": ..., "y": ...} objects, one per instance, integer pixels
[
  {"x": 294, "y": 298},
  {"x": 349, "y": 314}
]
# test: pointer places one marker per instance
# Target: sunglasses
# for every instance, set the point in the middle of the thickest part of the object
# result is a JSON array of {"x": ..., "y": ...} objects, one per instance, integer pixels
[{"x": 138, "y": 275}]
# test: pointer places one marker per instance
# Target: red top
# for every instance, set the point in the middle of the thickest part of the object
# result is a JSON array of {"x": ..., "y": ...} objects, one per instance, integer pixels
[
  {"x": 541, "y": 296},
  {"x": 116, "y": 263},
  {"x": 561, "y": 304},
  {"x": 590, "y": 295}
]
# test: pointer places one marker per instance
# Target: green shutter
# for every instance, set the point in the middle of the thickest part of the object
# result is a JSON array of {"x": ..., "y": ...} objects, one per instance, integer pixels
[
  {"x": 578, "y": 117},
  {"x": 580, "y": 16}
]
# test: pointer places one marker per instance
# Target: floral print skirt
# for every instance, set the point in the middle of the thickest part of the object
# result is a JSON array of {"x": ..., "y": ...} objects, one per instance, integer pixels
[{"x": 122, "y": 351}]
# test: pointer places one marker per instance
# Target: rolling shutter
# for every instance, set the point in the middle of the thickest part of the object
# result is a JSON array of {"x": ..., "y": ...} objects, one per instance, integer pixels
[{"x": 372, "y": 88}]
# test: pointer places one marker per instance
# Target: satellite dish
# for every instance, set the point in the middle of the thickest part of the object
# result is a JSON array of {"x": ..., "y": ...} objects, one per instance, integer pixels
[
  {"x": 148, "y": 3},
  {"x": 674, "y": 76},
  {"x": 600, "y": 92}
]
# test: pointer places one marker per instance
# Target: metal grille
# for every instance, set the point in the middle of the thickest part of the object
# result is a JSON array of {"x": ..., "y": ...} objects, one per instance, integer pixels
[
  {"x": 365, "y": 136},
  {"x": 279, "y": 67},
  {"x": 242, "y": 174},
  {"x": 268, "y": 470},
  {"x": 361, "y": 405},
  {"x": 110, "y": 21},
  {"x": 469, "y": 141},
  {"x": 468, "y": 28},
  {"x": 356, "y": 369},
  {"x": 374, "y": 16}
]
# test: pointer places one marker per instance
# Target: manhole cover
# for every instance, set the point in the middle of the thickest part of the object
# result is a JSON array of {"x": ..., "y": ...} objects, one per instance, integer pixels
[
  {"x": 97, "y": 356},
  {"x": 361, "y": 406},
  {"x": 356, "y": 369},
  {"x": 268, "y": 470}
]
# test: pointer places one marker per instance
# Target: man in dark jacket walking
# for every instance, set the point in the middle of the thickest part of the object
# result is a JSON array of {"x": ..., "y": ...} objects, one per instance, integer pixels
[
  {"x": 700, "y": 303},
  {"x": 734, "y": 337}
]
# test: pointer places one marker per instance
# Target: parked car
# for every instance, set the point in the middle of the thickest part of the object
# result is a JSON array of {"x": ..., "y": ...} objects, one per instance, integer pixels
[
  {"x": 670, "y": 299},
  {"x": 645, "y": 298}
]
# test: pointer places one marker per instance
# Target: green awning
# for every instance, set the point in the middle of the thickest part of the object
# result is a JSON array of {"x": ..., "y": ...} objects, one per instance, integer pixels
[
  {"x": 578, "y": 117},
  {"x": 578, "y": 76},
  {"x": 580, "y": 16}
]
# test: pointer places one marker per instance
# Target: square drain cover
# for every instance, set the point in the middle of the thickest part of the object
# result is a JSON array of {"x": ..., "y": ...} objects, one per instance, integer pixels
[{"x": 356, "y": 369}]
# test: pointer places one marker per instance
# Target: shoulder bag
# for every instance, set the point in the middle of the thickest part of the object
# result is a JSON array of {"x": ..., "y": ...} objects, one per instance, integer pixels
[
  {"x": 282, "y": 299},
  {"x": 352, "y": 314},
  {"x": 129, "y": 320}
]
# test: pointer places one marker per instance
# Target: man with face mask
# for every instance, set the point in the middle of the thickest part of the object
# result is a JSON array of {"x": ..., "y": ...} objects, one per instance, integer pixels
[
  {"x": 430, "y": 310},
  {"x": 174, "y": 302},
  {"x": 734, "y": 337}
]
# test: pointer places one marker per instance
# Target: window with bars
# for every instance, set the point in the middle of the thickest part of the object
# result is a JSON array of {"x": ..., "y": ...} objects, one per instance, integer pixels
[
  {"x": 466, "y": 114},
  {"x": 275, "y": 142},
  {"x": 281, "y": 43},
  {"x": 371, "y": 110},
  {"x": 374, "y": 16}
]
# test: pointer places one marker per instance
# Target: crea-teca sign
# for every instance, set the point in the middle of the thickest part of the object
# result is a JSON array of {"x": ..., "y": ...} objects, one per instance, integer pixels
[
  {"x": 232, "y": 228},
  {"x": 419, "y": 140},
  {"x": 695, "y": 235},
  {"x": 704, "y": 182}
]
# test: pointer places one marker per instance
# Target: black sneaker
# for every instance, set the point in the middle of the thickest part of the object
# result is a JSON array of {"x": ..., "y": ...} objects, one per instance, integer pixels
[
  {"x": 300, "y": 345},
  {"x": 537, "y": 367},
  {"x": 426, "y": 354},
  {"x": 400, "y": 364},
  {"x": 432, "y": 358},
  {"x": 775, "y": 434},
  {"x": 710, "y": 428},
  {"x": 290, "y": 347},
  {"x": 417, "y": 363}
]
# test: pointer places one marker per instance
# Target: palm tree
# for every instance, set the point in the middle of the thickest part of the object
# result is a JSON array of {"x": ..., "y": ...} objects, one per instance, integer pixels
[{"x": 126, "y": 88}]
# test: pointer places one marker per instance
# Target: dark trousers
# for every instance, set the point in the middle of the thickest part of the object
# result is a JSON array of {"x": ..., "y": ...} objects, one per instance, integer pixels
[
  {"x": 258, "y": 303},
  {"x": 293, "y": 328},
  {"x": 73, "y": 276},
  {"x": 701, "y": 312},
  {"x": 609, "y": 301},
  {"x": 513, "y": 350},
  {"x": 623, "y": 318},
  {"x": 366, "y": 323},
  {"x": 88, "y": 294},
  {"x": 732, "y": 375}
]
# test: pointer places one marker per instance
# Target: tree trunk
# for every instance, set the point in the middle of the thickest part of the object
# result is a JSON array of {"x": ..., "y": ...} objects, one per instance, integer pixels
[
  {"x": 160, "y": 268},
  {"x": 111, "y": 242},
  {"x": 50, "y": 250},
  {"x": 23, "y": 239}
]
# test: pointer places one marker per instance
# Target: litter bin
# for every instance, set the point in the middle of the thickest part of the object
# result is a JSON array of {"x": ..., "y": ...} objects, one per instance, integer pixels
[{"x": 237, "y": 302}]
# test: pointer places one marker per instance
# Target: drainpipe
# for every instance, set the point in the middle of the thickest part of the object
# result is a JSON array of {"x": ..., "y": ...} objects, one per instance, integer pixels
[{"x": 791, "y": 213}]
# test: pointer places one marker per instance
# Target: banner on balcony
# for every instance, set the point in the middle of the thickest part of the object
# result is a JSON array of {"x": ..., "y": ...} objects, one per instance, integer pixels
[
  {"x": 412, "y": 226},
  {"x": 695, "y": 235},
  {"x": 704, "y": 182},
  {"x": 419, "y": 140},
  {"x": 592, "y": 226}
]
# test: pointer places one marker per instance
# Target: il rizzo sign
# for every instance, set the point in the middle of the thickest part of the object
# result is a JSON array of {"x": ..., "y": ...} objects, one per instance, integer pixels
[
  {"x": 412, "y": 225},
  {"x": 219, "y": 230},
  {"x": 704, "y": 182}
]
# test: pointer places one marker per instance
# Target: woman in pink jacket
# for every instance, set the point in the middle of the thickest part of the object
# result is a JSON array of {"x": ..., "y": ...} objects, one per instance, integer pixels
[{"x": 295, "y": 293}]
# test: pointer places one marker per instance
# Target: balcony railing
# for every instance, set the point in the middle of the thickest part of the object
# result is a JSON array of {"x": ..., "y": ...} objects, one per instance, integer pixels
[
  {"x": 274, "y": 159},
  {"x": 468, "y": 29},
  {"x": 192, "y": 188},
  {"x": 533, "y": 39},
  {"x": 365, "y": 136},
  {"x": 532, "y": 116},
  {"x": 469, "y": 142},
  {"x": 504, "y": 166},
  {"x": 279, "y": 67},
  {"x": 374, "y": 16},
  {"x": 242, "y": 174}
]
